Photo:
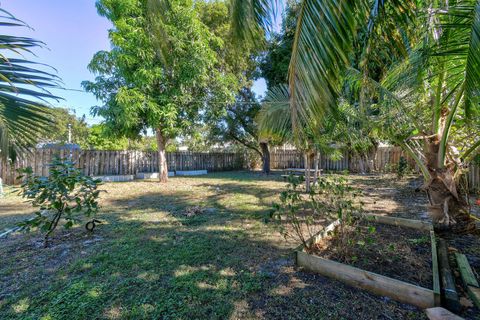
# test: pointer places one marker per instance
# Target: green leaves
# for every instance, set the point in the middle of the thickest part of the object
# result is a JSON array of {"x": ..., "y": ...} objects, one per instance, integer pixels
[
  {"x": 24, "y": 115},
  {"x": 300, "y": 216},
  {"x": 65, "y": 193},
  {"x": 163, "y": 70},
  {"x": 251, "y": 17},
  {"x": 322, "y": 44}
]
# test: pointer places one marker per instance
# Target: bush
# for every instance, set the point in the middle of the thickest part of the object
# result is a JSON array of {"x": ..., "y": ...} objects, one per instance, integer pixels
[
  {"x": 66, "y": 193},
  {"x": 301, "y": 216}
]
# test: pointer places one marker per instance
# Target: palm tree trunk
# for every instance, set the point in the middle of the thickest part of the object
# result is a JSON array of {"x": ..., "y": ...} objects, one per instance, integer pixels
[
  {"x": 448, "y": 206},
  {"x": 162, "y": 157}
]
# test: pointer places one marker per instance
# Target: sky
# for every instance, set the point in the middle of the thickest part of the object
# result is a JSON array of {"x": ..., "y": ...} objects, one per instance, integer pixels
[{"x": 73, "y": 32}]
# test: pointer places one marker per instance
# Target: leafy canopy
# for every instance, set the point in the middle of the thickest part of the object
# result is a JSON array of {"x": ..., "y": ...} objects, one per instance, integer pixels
[{"x": 162, "y": 71}]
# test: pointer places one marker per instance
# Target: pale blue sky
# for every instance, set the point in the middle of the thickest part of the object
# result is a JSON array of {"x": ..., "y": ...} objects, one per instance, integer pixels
[{"x": 73, "y": 32}]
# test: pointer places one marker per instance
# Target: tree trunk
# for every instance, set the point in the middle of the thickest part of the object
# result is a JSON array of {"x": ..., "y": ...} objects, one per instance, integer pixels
[
  {"x": 448, "y": 206},
  {"x": 317, "y": 169},
  {"x": 307, "y": 171},
  {"x": 265, "y": 157},
  {"x": 162, "y": 157}
]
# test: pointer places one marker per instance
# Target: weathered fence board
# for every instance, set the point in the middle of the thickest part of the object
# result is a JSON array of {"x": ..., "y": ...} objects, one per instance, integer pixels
[
  {"x": 102, "y": 163},
  {"x": 385, "y": 160},
  {"x": 99, "y": 163}
]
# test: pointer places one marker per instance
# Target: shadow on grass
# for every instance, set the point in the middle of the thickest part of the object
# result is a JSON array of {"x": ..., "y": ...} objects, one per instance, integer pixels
[
  {"x": 151, "y": 262},
  {"x": 143, "y": 271},
  {"x": 158, "y": 271}
]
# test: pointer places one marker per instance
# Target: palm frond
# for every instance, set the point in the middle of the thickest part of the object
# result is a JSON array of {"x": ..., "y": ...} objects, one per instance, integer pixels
[
  {"x": 24, "y": 95},
  {"x": 251, "y": 17},
  {"x": 472, "y": 67},
  {"x": 322, "y": 44},
  {"x": 274, "y": 118}
]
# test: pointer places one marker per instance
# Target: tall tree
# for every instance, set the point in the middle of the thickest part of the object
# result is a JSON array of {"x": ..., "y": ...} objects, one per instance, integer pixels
[
  {"x": 24, "y": 111},
  {"x": 275, "y": 63},
  {"x": 161, "y": 73},
  {"x": 236, "y": 122}
]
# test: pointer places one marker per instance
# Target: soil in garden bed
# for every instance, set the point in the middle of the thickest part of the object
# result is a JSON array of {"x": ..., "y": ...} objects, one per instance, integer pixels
[{"x": 397, "y": 252}]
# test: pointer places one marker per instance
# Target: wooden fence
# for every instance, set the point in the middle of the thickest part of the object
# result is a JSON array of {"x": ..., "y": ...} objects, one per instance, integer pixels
[
  {"x": 474, "y": 178},
  {"x": 385, "y": 160},
  {"x": 100, "y": 163}
]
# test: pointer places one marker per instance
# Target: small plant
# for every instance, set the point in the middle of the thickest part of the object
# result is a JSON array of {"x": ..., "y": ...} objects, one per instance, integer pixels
[
  {"x": 402, "y": 167},
  {"x": 65, "y": 193},
  {"x": 300, "y": 215}
]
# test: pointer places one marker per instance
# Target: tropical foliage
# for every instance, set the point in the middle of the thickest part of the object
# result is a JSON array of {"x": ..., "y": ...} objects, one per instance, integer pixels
[
  {"x": 411, "y": 66},
  {"x": 24, "y": 114}
]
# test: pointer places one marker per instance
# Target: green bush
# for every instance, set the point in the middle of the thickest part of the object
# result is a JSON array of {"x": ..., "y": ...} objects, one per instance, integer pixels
[
  {"x": 302, "y": 215},
  {"x": 66, "y": 193}
]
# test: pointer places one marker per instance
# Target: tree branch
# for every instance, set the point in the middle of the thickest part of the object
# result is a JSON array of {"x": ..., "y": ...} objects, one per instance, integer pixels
[{"x": 246, "y": 144}]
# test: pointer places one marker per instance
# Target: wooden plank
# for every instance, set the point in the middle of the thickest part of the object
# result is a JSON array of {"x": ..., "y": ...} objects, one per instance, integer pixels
[
  {"x": 375, "y": 283},
  {"x": 448, "y": 291},
  {"x": 435, "y": 272},
  {"x": 468, "y": 278},
  {"x": 439, "y": 313},
  {"x": 401, "y": 222},
  {"x": 474, "y": 294},
  {"x": 319, "y": 235},
  {"x": 465, "y": 270}
]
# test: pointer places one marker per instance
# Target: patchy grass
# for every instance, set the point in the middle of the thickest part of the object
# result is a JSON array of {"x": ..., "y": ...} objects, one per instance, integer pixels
[{"x": 149, "y": 260}]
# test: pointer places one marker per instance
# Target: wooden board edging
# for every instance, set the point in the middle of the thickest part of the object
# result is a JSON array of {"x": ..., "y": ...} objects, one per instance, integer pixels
[
  {"x": 373, "y": 282},
  {"x": 401, "y": 222},
  {"x": 468, "y": 278},
  {"x": 319, "y": 235},
  {"x": 381, "y": 285},
  {"x": 449, "y": 291},
  {"x": 435, "y": 272},
  {"x": 465, "y": 270}
]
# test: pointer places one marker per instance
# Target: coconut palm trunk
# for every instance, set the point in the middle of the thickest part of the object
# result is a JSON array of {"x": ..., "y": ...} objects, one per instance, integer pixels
[{"x": 447, "y": 204}]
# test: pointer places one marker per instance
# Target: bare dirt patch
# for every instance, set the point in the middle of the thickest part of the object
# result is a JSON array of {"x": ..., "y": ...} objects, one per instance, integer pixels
[{"x": 401, "y": 253}]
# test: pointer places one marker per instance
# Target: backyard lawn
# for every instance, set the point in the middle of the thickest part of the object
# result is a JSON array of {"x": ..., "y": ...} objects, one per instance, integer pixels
[{"x": 195, "y": 248}]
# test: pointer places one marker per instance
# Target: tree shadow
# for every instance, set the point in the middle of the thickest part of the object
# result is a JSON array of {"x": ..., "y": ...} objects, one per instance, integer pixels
[
  {"x": 151, "y": 261},
  {"x": 159, "y": 271}
]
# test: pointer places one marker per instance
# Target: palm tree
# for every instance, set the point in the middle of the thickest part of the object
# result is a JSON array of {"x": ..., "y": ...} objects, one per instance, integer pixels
[
  {"x": 427, "y": 90},
  {"x": 24, "y": 114}
]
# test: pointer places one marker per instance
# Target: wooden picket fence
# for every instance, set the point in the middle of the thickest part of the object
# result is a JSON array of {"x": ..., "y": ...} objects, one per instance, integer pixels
[
  {"x": 385, "y": 160},
  {"x": 474, "y": 178},
  {"x": 101, "y": 163}
]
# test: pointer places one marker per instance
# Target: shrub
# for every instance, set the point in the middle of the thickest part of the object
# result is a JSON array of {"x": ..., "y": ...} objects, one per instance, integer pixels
[
  {"x": 66, "y": 193},
  {"x": 301, "y": 216}
]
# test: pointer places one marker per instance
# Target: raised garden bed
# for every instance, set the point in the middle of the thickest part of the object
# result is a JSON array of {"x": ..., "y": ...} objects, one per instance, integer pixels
[{"x": 399, "y": 260}]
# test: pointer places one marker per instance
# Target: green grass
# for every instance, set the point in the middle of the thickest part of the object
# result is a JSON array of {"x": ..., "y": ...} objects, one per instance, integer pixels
[{"x": 149, "y": 261}]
